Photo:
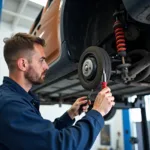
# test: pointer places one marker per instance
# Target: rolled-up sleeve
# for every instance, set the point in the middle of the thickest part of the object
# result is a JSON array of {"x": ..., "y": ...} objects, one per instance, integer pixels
[{"x": 25, "y": 130}]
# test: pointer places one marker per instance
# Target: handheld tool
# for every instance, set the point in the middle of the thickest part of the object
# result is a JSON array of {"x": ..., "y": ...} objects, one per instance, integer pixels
[
  {"x": 104, "y": 80},
  {"x": 88, "y": 98}
]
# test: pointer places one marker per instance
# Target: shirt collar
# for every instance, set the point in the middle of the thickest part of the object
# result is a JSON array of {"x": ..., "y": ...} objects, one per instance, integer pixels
[{"x": 17, "y": 88}]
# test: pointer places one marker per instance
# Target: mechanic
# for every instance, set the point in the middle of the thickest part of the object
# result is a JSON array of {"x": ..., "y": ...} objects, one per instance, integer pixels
[{"x": 21, "y": 124}]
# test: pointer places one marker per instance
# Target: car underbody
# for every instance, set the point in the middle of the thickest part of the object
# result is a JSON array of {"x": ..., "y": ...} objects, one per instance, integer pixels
[{"x": 120, "y": 28}]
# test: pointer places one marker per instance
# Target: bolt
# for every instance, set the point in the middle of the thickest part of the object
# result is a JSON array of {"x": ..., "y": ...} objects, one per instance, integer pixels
[{"x": 86, "y": 68}]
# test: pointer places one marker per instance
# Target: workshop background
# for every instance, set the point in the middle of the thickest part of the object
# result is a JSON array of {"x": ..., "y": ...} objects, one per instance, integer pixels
[{"x": 18, "y": 16}]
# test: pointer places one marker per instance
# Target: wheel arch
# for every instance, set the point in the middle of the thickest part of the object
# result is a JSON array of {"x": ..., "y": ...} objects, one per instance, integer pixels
[{"x": 84, "y": 23}]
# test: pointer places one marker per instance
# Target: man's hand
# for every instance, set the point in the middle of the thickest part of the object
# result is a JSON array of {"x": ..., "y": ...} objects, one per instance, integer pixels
[
  {"x": 104, "y": 101},
  {"x": 74, "y": 110}
]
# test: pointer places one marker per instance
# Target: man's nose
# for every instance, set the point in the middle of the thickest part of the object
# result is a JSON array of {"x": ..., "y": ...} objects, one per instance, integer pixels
[{"x": 46, "y": 66}]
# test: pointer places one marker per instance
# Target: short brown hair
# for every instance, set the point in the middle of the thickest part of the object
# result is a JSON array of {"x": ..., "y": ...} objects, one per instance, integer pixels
[{"x": 20, "y": 44}]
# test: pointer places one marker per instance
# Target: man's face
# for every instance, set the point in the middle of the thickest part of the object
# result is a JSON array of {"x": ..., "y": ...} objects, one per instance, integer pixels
[{"x": 37, "y": 68}]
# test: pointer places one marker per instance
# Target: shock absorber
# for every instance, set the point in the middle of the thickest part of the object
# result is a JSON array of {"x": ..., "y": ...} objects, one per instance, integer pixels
[
  {"x": 120, "y": 39},
  {"x": 121, "y": 45}
]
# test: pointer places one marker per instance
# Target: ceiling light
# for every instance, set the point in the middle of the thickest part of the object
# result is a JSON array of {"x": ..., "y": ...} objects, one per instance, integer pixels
[{"x": 40, "y": 2}]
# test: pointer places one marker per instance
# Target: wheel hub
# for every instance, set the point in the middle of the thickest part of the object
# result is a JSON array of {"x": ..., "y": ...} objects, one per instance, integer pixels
[{"x": 88, "y": 68}]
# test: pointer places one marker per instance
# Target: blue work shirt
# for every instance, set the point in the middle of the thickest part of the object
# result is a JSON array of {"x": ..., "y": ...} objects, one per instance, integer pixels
[{"x": 23, "y": 128}]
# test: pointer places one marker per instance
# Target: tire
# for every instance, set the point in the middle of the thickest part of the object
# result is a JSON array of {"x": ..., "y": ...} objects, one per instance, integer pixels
[{"x": 99, "y": 60}]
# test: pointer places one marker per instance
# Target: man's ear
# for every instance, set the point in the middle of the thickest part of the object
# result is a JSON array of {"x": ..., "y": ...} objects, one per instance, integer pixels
[{"x": 22, "y": 64}]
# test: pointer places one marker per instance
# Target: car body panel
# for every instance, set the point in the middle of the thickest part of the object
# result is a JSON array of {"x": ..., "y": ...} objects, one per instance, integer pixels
[{"x": 50, "y": 20}]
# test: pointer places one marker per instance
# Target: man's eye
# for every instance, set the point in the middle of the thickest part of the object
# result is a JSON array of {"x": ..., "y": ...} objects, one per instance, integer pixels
[{"x": 41, "y": 60}]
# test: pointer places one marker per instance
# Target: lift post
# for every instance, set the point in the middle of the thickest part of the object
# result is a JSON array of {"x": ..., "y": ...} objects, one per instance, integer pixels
[{"x": 146, "y": 144}]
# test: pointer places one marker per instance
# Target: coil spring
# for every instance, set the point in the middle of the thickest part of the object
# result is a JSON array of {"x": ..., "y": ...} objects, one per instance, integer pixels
[{"x": 120, "y": 38}]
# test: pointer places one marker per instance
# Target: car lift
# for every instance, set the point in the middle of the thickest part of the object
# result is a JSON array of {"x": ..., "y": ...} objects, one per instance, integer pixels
[
  {"x": 145, "y": 131},
  {"x": 139, "y": 103}
]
